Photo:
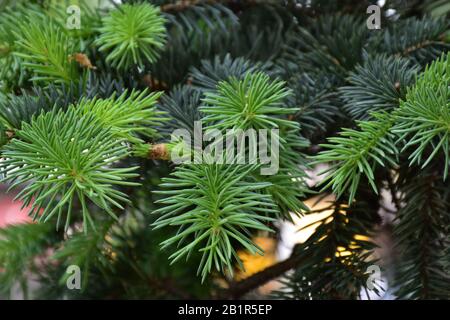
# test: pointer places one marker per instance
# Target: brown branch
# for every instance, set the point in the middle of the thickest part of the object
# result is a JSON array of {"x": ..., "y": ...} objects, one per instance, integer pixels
[
  {"x": 159, "y": 151},
  {"x": 156, "y": 151},
  {"x": 185, "y": 4},
  {"x": 6, "y": 136},
  {"x": 154, "y": 84},
  {"x": 418, "y": 46},
  {"x": 240, "y": 288},
  {"x": 10, "y": 134},
  {"x": 182, "y": 4}
]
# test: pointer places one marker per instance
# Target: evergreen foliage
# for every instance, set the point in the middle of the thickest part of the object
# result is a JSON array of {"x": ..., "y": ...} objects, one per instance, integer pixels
[
  {"x": 131, "y": 35},
  {"x": 213, "y": 206},
  {"x": 337, "y": 256},
  {"x": 252, "y": 102},
  {"x": 66, "y": 157},
  {"x": 86, "y": 117}
]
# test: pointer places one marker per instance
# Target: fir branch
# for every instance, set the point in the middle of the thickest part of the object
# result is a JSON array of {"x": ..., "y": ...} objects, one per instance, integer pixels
[
  {"x": 66, "y": 157},
  {"x": 253, "y": 102},
  {"x": 357, "y": 153},
  {"x": 18, "y": 109},
  {"x": 418, "y": 39},
  {"x": 239, "y": 289},
  {"x": 213, "y": 216},
  {"x": 87, "y": 251},
  {"x": 211, "y": 72},
  {"x": 132, "y": 35},
  {"x": 19, "y": 245},
  {"x": 335, "y": 257},
  {"x": 182, "y": 107},
  {"x": 315, "y": 97},
  {"x": 421, "y": 238},
  {"x": 423, "y": 119},
  {"x": 377, "y": 85},
  {"x": 128, "y": 115},
  {"x": 45, "y": 49}
]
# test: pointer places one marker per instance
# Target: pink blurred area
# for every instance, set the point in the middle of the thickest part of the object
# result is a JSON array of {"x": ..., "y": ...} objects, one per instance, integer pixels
[{"x": 11, "y": 212}]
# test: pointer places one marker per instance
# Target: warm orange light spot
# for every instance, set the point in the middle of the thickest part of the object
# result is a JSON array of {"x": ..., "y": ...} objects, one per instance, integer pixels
[
  {"x": 329, "y": 220},
  {"x": 343, "y": 253},
  {"x": 361, "y": 237},
  {"x": 254, "y": 263},
  {"x": 353, "y": 245}
]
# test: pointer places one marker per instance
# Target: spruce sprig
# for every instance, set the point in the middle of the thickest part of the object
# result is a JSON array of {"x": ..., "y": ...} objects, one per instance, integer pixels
[
  {"x": 423, "y": 122},
  {"x": 62, "y": 157},
  {"x": 357, "y": 152},
  {"x": 132, "y": 35},
  {"x": 46, "y": 48},
  {"x": 254, "y": 102},
  {"x": 214, "y": 207},
  {"x": 127, "y": 116}
]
